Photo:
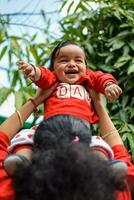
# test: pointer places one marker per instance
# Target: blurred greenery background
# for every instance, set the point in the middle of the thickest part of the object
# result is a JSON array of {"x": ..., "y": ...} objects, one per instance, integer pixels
[{"x": 105, "y": 29}]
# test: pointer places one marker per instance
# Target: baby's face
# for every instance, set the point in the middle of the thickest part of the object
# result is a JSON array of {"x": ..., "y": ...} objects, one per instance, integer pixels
[{"x": 69, "y": 64}]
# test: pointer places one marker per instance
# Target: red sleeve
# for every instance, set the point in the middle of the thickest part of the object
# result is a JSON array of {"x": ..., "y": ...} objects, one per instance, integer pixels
[
  {"x": 47, "y": 78},
  {"x": 6, "y": 184},
  {"x": 120, "y": 153},
  {"x": 4, "y": 142},
  {"x": 98, "y": 79}
]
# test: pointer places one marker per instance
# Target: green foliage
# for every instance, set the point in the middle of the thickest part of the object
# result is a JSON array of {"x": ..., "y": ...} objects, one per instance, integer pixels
[
  {"x": 15, "y": 48},
  {"x": 5, "y": 92}
]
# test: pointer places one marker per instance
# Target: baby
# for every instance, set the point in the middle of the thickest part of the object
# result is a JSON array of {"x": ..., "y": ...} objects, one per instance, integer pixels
[{"x": 71, "y": 97}]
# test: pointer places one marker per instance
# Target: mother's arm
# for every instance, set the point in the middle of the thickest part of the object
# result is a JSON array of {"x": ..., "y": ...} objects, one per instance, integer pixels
[
  {"x": 11, "y": 125},
  {"x": 110, "y": 134},
  {"x": 108, "y": 131}
]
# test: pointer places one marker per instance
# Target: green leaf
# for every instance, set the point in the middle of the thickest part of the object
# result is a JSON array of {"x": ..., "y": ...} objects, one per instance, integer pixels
[
  {"x": 15, "y": 78},
  {"x": 130, "y": 69},
  {"x": 69, "y": 7},
  {"x": 117, "y": 44},
  {"x": 4, "y": 93},
  {"x": 106, "y": 68},
  {"x": 27, "y": 54},
  {"x": 117, "y": 14},
  {"x": 26, "y": 95},
  {"x": 131, "y": 127},
  {"x": 124, "y": 25},
  {"x": 15, "y": 37},
  {"x": 109, "y": 58},
  {"x": 125, "y": 50},
  {"x": 124, "y": 58},
  {"x": 91, "y": 65},
  {"x": 131, "y": 143},
  {"x": 90, "y": 49},
  {"x": 15, "y": 44},
  {"x": 79, "y": 7},
  {"x": 131, "y": 44},
  {"x": 104, "y": 54},
  {"x": 34, "y": 37},
  {"x": 18, "y": 99},
  {"x": 63, "y": 4},
  {"x": 1, "y": 36},
  {"x": 124, "y": 33},
  {"x": 120, "y": 64},
  {"x": 125, "y": 101},
  {"x": 111, "y": 29},
  {"x": 125, "y": 128},
  {"x": 124, "y": 137},
  {"x": 122, "y": 61},
  {"x": 123, "y": 118},
  {"x": 34, "y": 52},
  {"x": 10, "y": 57},
  {"x": 131, "y": 113},
  {"x": 3, "y": 52}
]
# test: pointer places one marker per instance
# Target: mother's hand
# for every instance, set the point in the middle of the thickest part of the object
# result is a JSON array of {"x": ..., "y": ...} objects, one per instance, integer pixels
[
  {"x": 42, "y": 94},
  {"x": 95, "y": 96}
]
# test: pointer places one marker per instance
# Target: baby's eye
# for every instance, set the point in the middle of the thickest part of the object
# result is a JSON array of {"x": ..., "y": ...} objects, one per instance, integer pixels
[
  {"x": 79, "y": 61},
  {"x": 63, "y": 60}
]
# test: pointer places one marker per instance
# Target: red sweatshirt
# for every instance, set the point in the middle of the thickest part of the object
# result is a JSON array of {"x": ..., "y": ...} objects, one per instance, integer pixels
[
  {"x": 120, "y": 153},
  {"x": 73, "y": 99},
  {"x": 6, "y": 184}
]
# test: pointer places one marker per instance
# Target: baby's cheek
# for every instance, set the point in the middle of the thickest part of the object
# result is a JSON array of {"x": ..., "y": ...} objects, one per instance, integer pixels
[
  {"x": 60, "y": 74},
  {"x": 82, "y": 73}
]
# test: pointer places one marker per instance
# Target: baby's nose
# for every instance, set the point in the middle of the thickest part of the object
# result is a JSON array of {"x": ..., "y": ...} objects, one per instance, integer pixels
[{"x": 72, "y": 63}]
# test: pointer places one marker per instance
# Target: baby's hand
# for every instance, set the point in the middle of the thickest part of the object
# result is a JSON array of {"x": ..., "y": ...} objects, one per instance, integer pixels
[
  {"x": 27, "y": 69},
  {"x": 112, "y": 92}
]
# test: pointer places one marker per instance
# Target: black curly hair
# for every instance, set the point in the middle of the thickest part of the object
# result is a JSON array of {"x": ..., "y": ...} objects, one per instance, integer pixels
[
  {"x": 65, "y": 127},
  {"x": 67, "y": 171},
  {"x": 61, "y": 169}
]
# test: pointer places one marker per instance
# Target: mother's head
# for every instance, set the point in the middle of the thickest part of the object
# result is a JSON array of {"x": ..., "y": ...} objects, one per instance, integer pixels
[{"x": 61, "y": 127}]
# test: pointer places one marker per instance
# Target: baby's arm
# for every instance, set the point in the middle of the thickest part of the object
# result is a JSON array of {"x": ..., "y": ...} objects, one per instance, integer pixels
[
  {"x": 29, "y": 70},
  {"x": 112, "y": 91},
  {"x": 104, "y": 83},
  {"x": 41, "y": 76}
]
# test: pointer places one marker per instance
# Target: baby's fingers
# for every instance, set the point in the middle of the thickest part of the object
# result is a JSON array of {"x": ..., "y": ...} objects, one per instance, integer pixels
[
  {"x": 110, "y": 96},
  {"x": 20, "y": 62},
  {"x": 22, "y": 65},
  {"x": 115, "y": 92}
]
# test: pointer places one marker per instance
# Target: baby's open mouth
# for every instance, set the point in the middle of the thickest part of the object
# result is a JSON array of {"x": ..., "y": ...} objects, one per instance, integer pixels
[{"x": 71, "y": 72}]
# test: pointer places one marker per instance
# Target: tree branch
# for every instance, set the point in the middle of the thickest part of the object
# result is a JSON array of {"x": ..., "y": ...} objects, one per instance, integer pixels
[
  {"x": 26, "y": 25},
  {"x": 19, "y": 14}
]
